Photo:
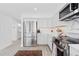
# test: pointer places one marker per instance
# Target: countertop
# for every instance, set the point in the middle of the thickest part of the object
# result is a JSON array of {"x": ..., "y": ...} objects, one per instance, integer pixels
[{"x": 72, "y": 40}]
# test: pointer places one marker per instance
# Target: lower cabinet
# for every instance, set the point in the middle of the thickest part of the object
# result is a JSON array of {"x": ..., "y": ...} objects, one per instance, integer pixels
[
  {"x": 42, "y": 39},
  {"x": 54, "y": 50},
  {"x": 74, "y": 49}
]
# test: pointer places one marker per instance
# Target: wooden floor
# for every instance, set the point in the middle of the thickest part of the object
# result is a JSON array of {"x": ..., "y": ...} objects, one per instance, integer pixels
[{"x": 16, "y": 46}]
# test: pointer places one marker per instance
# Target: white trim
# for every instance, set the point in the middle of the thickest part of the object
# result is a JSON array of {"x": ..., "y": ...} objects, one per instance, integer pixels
[{"x": 21, "y": 32}]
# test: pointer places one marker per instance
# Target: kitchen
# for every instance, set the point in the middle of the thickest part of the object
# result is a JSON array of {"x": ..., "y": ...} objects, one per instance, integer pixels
[
  {"x": 52, "y": 26},
  {"x": 62, "y": 38}
]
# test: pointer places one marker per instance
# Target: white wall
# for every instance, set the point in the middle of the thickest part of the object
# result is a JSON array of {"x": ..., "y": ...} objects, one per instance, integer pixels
[
  {"x": 44, "y": 25},
  {"x": 8, "y": 31}
]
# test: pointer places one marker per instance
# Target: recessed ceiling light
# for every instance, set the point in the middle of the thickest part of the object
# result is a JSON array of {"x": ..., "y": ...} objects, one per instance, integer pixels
[
  {"x": 35, "y": 9},
  {"x": 19, "y": 25}
]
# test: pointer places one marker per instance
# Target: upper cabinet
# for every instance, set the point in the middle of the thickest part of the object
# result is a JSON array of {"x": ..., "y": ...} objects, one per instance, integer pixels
[{"x": 69, "y": 11}]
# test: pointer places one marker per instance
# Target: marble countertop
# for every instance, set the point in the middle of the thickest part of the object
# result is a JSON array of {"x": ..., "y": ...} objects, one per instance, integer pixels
[{"x": 73, "y": 40}]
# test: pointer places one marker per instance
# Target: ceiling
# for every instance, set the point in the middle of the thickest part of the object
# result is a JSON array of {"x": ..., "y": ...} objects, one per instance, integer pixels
[{"x": 16, "y": 10}]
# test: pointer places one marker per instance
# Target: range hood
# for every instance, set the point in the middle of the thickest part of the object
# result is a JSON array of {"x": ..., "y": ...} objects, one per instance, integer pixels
[{"x": 69, "y": 12}]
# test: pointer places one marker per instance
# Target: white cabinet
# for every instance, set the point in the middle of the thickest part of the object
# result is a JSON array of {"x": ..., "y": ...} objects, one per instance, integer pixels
[
  {"x": 42, "y": 38},
  {"x": 54, "y": 50},
  {"x": 74, "y": 49},
  {"x": 50, "y": 41}
]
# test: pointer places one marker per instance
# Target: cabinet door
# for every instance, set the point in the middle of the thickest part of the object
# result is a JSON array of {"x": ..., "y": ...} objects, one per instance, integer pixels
[
  {"x": 42, "y": 39},
  {"x": 74, "y": 51},
  {"x": 50, "y": 42}
]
